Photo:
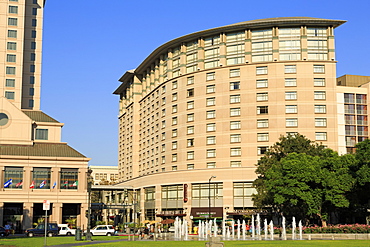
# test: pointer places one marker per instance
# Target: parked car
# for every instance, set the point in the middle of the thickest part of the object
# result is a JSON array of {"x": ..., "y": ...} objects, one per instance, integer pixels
[
  {"x": 52, "y": 230},
  {"x": 107, "y": 230},
  {"x": 3, "y": 232},
  {"x": 65, "y": 230}
]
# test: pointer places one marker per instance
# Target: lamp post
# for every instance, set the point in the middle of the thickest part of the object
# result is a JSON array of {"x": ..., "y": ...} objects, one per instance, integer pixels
[
  {"x": 88, "y": 233},
  {"x": 209, "y": 196}
]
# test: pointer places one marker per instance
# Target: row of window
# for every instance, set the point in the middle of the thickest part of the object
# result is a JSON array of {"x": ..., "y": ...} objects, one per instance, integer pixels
[{"x": 40, "y": 178}]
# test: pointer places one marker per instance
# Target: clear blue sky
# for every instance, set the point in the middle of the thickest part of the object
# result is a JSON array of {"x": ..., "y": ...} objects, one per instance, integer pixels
[{"x": 88, "y": 45}]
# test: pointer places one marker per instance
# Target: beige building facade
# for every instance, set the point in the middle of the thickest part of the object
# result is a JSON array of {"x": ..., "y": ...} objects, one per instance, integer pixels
[
  {"x": 35, "y": 164},
  {"x": 197, "y": 114}
]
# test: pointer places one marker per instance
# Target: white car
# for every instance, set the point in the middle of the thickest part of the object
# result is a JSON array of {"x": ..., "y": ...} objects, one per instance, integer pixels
[
  {"x": 65, "y": 230},
  {"x": 107, "y": 230}
]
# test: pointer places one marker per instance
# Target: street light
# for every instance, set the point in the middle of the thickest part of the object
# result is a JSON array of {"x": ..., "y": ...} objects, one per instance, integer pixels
[
  {"x": 209, "y": 196},
  {"x": 89, "y": 181}
]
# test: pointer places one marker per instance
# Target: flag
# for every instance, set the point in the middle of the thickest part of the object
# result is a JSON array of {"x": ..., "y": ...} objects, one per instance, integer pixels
[
  {"x": 65, "y": 183},
  {"x": 32, "y": 185},
  {"x": 55, "y": 184},
  {"x": 42, "y": 184},
  {"x": 7, "y": 183},
  {"x": 75, "y": 184},
  {"x": 19, "y": 184}
]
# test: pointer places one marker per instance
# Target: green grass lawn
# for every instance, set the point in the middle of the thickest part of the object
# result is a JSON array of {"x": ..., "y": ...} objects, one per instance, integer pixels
[{"x": 39, "y": 241}]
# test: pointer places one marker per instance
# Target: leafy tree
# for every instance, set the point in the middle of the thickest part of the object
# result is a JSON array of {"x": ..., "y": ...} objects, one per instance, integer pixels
[{"x": 308, "y": 183}]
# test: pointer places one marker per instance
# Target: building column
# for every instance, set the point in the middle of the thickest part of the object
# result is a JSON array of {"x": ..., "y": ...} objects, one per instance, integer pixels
[
  {"x": 2, "y": 213},
  {"x": 27, "y": 215},
  {"x": 57, "y": 213}
]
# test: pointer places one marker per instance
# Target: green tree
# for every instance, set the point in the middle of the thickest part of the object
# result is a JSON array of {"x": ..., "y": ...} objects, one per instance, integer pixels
[{"x": 308, "y": 184}]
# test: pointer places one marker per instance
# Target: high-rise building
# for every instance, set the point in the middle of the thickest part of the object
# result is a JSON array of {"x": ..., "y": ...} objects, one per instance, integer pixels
[
  {"x": 35, "y": 164},
  {"x": 197, "y": 114}
]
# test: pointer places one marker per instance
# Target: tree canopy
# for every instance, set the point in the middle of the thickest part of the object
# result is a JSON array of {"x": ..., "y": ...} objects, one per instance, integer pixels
[{"x": 299, "y": 177}]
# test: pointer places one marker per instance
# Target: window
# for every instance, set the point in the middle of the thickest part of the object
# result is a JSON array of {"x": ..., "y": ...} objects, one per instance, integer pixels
[
  {"x": 235, "y": 151},
  {"x": 234, "y": 72},
  {"x": 174, "y": 84},
  {"x": 211, "y": 153},
  {"x": 211, "y": 101},
  {"x": 290, "y": 82},
  {"x": 291, "y": 122},
  {"x": 10, "y": 58},
  {"x": 211, "y": 127},
  {"x": 34, "y": 11},
  {"x": 210, "y": 88},
  {"x": 10, "y": 82},
  {"x": 41, "y": 178},
  {"x": 32, "y": 68},
  {"x": 190, "y": 166},
  {"x": 32, "y": 79},
  {"x": 291, "y": 109},
  {"x": 33, "y": 45},
  {"x": 211, "y": 114},
  {"x": 190, "y": 155},
  {"x": 174, "y": 96},
  {"x": 320, "y": 95},
  {"x": 262, "y": 109},
  {"x": 163, "y": 100},
  {"x": 33, "y": 34},
  {"x": 174, "y": 121},
  {"x": 163, "y": 89},
  {"x": 235, "y": 163},
  {"x": 190, "y": 117},
  {"x": 190, "y": 130},
  {"x": 262, "y": 96},
  {"x": 16, "y": 175},
  {"x": 41, "y": 134},
  {"x": 31, "y": 103},
  {"x": 235, "y": 138},
  {"x": 319, "y": 69},
  {"x": 190, "y": 142},
  {"x": 321, "y": 136},
  {"x": 12, "y": 33},
  {"x": 32, "y": 91},
  {"x": 211, "y": 140},
  {"x": 262, "y": 123},
  {"x": 261, "y": 150},
  {"x": 190, "y": 105},
  {"x": 174, "y": 168},
  {"x": 164, "y": 136},
  {"x": 34, "y": 22},
  {"x": 235, "y": 98},
  {"x": 261, "y": 83},
  {"x": 11, "y": 46},
  {"x": 13, "y": 9},
  {"x": 235, "y": 85},
  {"x": 290, "y": 95},
  {"x": 174, "y": 145},
  {"x": 320, "y": 122},
  {"x": 190, "y": 80},
  {"x": 319, "y": 82},
  {"x": 33, "y": 57},
  {"x": 10, "y": 70},
  {"x": 320, "y": 108},
  {"x": 235, "y": 125},
  {"x": 163, "y": 112},
  {"x": 210, "y": 76},
  {"x": 290, "y": 69},
  {"x": 190, "y": 92},
  {"x": 211, "y": 164},
  {"x": 234, "y": 112},
  {"x": 174, "y": 157},
  {"x": 174, "y": 108},
  {"x": 12, "y": 21},
  {"x": 174, "y": 133},
  {"x": 163, "y": 159},
  {"x": 69, "y": 178},
  {"x": 262, "y": 137},
  {"x": 261, "y": 70}
]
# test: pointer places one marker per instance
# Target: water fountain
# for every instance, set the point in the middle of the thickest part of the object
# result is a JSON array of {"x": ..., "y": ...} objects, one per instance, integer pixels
[
  {"x": 265, "y": 228},
  {"x": 215, "y": 230},
  {"x": 232, "y": 229},
  {"x": 238, "y": 230},
  {"x": 293, "y": 228},
  {"x": 258, "y": 230},
  {"x": 252, "y": 228},
  {"x": 283, "y": 234},
  {"x": 271, "y": 230},
  {"x": 300, "y": 230},
  {"x": 223, "y": 229},
  {"x": 244, "y": 229}
]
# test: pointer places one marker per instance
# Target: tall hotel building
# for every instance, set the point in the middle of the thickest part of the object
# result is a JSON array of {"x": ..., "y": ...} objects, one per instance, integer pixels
[
  {"x": 35, "y": 164},
  {"x": 197, "y": 114}
]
